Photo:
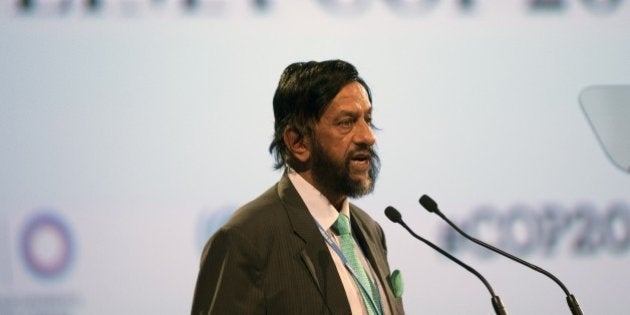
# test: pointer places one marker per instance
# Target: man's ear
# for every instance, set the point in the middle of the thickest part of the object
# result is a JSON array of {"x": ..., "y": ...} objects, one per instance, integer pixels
[{"x": 298, "y": 144}]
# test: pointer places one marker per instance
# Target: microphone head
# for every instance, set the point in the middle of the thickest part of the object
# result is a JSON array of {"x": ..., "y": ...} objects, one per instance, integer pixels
[
  {"x": 393, "y": 214},
  {"x": 429, "y": 204}
]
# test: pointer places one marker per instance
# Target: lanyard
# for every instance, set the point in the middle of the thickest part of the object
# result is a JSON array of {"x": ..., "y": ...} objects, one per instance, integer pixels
[{"x": 337, "y": 250}]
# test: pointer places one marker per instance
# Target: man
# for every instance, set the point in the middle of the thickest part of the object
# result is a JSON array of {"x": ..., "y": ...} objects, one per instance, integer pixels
[{"x": 292, "y": 250}]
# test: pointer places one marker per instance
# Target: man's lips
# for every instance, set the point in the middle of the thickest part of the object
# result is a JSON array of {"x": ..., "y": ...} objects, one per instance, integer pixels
[
  {"x": 361, "y": 156},
  {"x": 361, "y": 160}
]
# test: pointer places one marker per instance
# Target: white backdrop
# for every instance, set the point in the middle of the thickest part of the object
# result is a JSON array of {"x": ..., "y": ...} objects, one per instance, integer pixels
[{"x": 129, "y": 132}]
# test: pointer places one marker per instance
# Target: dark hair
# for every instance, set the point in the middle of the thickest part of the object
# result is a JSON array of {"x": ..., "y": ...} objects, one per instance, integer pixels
[{"x": 303, "y": 94}]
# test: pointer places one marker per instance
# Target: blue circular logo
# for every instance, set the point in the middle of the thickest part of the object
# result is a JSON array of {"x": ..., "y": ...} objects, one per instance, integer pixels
[{"x": 47, "y": 245}]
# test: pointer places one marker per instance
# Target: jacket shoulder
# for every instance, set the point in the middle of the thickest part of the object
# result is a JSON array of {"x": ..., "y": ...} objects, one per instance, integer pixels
[{"x": 254, "y": 217}]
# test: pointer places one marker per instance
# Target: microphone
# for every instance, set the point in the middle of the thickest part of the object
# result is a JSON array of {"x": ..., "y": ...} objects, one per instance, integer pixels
[
  {"x": 395, "y": 216},
  {"x": 432, "y": 207}
]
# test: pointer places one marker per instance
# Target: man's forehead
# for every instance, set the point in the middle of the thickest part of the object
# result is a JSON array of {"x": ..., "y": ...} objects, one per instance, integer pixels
[
  {"x": 352, "y": 89},
  {"x": 352, "y": 94}
]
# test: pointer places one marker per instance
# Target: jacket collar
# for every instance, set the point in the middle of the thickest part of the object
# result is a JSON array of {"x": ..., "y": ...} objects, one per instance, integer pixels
[{"x": 314, "y": 254}]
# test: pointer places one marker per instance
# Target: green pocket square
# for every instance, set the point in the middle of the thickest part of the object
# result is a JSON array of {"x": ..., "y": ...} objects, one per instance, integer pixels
[{"x": 397, "y": 283}]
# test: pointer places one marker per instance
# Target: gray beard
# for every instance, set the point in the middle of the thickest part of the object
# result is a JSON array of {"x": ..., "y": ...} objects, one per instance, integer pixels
[{"x": 335, "y": 177}]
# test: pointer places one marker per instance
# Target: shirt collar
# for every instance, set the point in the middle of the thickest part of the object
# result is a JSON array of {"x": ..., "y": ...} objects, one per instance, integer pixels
[{"x": 318, "y": 205}]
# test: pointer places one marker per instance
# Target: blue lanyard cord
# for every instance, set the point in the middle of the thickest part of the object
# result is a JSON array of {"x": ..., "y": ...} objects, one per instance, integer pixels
[{"x": 337, "y": 250}]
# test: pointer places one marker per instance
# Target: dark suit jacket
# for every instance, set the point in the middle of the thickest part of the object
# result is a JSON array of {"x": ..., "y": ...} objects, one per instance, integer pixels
[{"x": 270, "y": 258}]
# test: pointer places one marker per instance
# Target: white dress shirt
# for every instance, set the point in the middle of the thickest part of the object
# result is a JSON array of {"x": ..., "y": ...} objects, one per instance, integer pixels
[{"x": 326, "y": 214}]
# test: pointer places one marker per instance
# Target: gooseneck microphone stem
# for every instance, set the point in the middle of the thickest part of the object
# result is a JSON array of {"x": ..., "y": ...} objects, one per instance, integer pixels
[
  {"x": 431, "y": 206},
  {"x": 506, "y": 254},
  {"x": 393, "y": 215}
]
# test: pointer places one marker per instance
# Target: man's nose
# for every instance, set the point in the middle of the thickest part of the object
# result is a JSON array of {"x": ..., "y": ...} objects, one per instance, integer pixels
[{"x": 365, "y": 134}]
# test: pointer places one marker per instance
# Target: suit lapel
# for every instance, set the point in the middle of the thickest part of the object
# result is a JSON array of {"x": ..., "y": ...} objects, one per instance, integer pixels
[
  {"x": 314, "y": 253},
  {"x": 375, "y": 257}
]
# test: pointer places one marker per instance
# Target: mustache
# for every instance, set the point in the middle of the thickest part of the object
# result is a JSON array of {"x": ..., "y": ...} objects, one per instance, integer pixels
[{"x": 364, "y": 151}]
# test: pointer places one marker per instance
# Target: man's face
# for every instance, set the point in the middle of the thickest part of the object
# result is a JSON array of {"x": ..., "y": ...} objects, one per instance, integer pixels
[{"x": 343, "y": 159}]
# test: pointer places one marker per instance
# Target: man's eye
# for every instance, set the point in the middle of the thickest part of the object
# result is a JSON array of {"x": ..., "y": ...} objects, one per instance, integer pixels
[{"x": 346, "y": 122}]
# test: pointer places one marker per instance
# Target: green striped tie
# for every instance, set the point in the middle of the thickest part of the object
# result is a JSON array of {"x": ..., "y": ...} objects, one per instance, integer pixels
[{"x": 342, "y": 227}]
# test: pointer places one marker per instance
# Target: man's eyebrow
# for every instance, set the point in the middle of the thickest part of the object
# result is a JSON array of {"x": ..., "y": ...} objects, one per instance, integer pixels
[
  {"x": 353, "y": 113},
  {"x": 347, "y": 112}
]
